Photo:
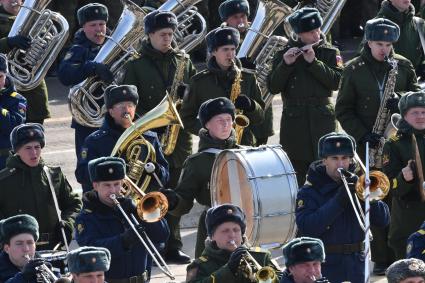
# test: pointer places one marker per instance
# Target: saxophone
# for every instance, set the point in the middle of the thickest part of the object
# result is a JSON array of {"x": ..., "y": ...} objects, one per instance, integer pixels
[
  {"x": 383, "y": 124},
  {"x": 171, "y": 133},
  {"x": 241, "y": 120}
]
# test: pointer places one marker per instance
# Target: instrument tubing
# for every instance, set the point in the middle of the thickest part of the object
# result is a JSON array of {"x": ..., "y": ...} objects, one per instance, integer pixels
[{"x": 345, "y": 248}]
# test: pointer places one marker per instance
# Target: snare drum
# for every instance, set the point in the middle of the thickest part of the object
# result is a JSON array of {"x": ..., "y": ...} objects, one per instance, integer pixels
[
  {"x": 263, "y": 183},
  {"x": 56, "y": 259}
]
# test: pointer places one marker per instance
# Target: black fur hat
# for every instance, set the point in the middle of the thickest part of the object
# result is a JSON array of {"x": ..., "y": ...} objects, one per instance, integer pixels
[
  {"x": 118, "y": 93},
  {"x": 156, "y": 20},
  {"x": 336, "y": 144},
  {"x": 213, "y": 107},
  {"x": 305, "y": 20},
  {"x": 231, "y": 7},
  {"x": 25, "y": 133},
  {"x": 303, "y": 249},
  {"x": 92, "y": 12},
  {"x": 381, "y": 29},
  {"x": 107, "y": 169},
  {"x": 224, "y": 213},
  {"x": 222, "y": 36},
  {"x": 89, "y": 259}
]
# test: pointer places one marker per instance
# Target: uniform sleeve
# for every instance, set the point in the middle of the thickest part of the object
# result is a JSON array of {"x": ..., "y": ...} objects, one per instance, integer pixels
[
  {"x": 392, "y": 165},
  {"x": 73, "y": 68},
  {"x": 88, "y": 152},
  {"x": 13, "y": 114},
  {"x": 158, "y": 231},
  {"x": 18, "y": 278},
  {"x": 280, "y": 73},
  {"x": 189, "y": 109},
  {"x": 197, "y": 274},
  {"x": 130, "y": 77},
  {"x": 327, "y": 73},
  {"x": 379, "y": 214},
  {"x": 345, "y": 108},
  {"x": 191, "y": 69},
  {"x": 311, "y": 218},
  {"x": 256, "y": 116},
  {"x": 4, "y": 47}
]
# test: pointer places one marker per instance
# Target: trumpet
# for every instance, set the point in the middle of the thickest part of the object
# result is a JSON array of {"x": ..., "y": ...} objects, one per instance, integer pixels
[
  {"x": 46, "y": 275},
  {"x": 149, "y": 246},
  {"x": 253, "y": 271}
]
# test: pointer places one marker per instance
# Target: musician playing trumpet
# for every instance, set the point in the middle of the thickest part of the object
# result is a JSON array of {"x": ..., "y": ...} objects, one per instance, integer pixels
[
  {"x": 100, "y": 224},
  {"x": 403, "y": 159},
  {"x": 19, "y": 234},
  {"x": 324, "y": 209},
  {"x": 226, "y": 255}
]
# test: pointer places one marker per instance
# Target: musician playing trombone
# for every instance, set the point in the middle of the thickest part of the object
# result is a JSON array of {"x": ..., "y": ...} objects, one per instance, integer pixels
[
  {"x": 227, "y": 256},
  {"x": 403, "y": 159},
  {"x": 324, "y": 209},
  {"x": 18, "y": 234},
  {"x": 100, "y": 224}
]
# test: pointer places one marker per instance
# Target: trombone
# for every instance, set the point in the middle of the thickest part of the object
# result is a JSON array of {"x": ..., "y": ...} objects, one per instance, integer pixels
[{"x": 147, "y": 243}]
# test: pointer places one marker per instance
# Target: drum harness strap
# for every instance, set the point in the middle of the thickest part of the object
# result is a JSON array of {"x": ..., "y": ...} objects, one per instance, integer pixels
[{"x": 215, "y": 151}]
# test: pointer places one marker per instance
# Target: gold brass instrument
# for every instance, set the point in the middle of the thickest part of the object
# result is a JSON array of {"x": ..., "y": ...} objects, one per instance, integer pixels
[
  {"x": 170, "y": 135},
  {"x": 131, "y": 143},
  {"x": 46, "y": 275},
  {"x": 418, "y": 172},
  {"x": 86, "y": 98},
  {"x": 260, "y": 46},
  {"x": 383, "y": 125},
  {"x": 191, "y": 28},
  {"x": 241, "y": 120},
  {"x": 48, "y": 32},
  {"x": 147, "y": 243},
  {"x": 253, "y": 271}
]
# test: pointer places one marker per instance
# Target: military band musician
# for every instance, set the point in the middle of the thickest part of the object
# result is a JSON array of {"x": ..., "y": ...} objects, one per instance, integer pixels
[{"x": 406, "y": 271}]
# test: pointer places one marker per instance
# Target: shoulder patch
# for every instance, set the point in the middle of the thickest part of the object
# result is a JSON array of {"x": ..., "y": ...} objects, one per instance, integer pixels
[
  {"x": 83, "y": 153},
  {"x": 409, "y": 248},
  {"x": 7, "y": 172},
  {"x": 203, "y": 258},
  {"x": 300, "y": 204}
]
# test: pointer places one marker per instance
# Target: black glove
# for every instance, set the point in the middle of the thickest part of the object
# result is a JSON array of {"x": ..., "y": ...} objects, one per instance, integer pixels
[
  {"x": 29, "y": 272},
  {"x": 19, "y": 41},
  {"x": 172, "y": 198},
  {"x": 129, "y": 238},
  {"x": 68, "y": 231},
  {"x": 342, "y": 196},
  {"x": 244, "y": 103},
  {"x": 128, "y": 205},
  {"x": 372, "y": 138},
  {"x": 182, "y": 89},
  {"x": 103, "y": 72},
  {"x": 235, "y": 259},
  {"x": 392, "y": 104}
]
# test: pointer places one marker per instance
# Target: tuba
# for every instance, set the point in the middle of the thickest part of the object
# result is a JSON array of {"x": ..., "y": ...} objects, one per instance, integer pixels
[
  {"x": 131, "y": 145},
  {"x": 48, "y": 32},
  {"x": 191, "y": 28},
  {"x": 259, "y": 46},
  {"x": 86, "y": 99}
]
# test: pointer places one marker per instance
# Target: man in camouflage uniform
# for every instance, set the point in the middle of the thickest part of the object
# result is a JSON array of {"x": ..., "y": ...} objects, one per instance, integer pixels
[
  {"x": 154, "y": 74},
  {"x": 37, "y": 98},
  {"x": 407, "y": 194},
  {"x": 225, "y": 248},
  {"x": 222, "y": 79},
  {"x": 305, "y": 78}
]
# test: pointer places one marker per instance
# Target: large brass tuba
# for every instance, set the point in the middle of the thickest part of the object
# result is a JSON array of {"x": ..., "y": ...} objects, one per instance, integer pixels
[
  {"x": 191, "y": 27},
  {"x": 131, "y": 145},
  {"x": 48, "y": 32},
  {"x": 86, "y": 98},
  {"x": 259, "y": 46}
]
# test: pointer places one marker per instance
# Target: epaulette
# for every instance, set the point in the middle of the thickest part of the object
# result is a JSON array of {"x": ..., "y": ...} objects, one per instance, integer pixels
[
  {"x": 258, "y": 250},
  {"x": 354, "y": 64},
  {"x": 195, "y": 155},
  {"x": 6, "y": 17},
  {"x": 99, "y": 134},
  {"x": 13, "y": 94},
  {"x": 394, "y": 138},
  {"x": 200, "y": 74},
  {"x": 203, "y": 258},
  {"x": 6, "y": 172}
]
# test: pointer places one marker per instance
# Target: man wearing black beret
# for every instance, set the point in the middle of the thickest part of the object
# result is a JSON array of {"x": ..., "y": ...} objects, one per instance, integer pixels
[
  {"x": 13, "y": 108},
  {"x": 101, "y": 224},
  {"x": 216, "y": 117},
  {"x": 226, "y": 247},
  {"x": 89, "y": 263},
  {"x": 324, "y": 211},
  {"x": 78, "y": 65},
  {"x": 399, "y": 164},
  {"x": 161, "y": 69},
  {"x": 28, "y": 185},
  {"x": 305, "y": 72},
  {"x": 224, "y": 78},
  {"x": 120, "y": 101}
]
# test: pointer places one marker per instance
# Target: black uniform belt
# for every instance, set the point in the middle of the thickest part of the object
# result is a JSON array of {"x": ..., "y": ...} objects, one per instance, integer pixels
[
  {"x": 134, "y": 279},
  {"x": 306, "y": 100},
  {"x": 4, "y": 152},
  {"x": 344, "y": 248}
]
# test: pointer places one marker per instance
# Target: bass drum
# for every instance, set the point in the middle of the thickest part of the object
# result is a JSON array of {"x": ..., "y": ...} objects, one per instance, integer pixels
[{"x": 262, "y": 182}]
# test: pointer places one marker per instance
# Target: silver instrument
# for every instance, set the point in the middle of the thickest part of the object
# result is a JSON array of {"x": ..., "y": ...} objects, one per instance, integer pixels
[
  {"x": 263, "y": 183},
  {"x": 260, "y": 46},
  {"x": 191, "y": 27},
  {"x": 48, "y": 32},
  {"x": 86, "y": 98},
  {"x": 45, "y": 275}
]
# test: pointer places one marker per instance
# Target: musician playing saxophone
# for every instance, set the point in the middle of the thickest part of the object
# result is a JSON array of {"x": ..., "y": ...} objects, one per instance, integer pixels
[
  {"x": 403, "y": 163},
  {"x": 161, "y": 69},
  {"x": 226, "y": 251},
  {"x": 19, "y": 234}
]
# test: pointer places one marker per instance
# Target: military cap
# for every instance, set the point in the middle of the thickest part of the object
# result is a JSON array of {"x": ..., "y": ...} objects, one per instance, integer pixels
[
  {"x": 3, "y": 63},
  {"x": 230, "y": 7},
  {"x": 18, "y": 224},
  {"x": 92, "y": 12},
  {"x": 156, "y": 20},
  {"x": 222, "y": 36},
  {"x": 213, "y": 107},
  {"x": 224, "y": 213},
  {"x": 118, "y": 93},
  {"x": 410, "y": 100},
  {"x": 106, "y": 169},
  {"x": 303, "y": 249},
  {"x": 405, "y": 268},
  {"x": 25, "y": 133},
  {"x": 381, "y": 29},
  {"x": 305, "y": 20},
  {"x": 336, "y": 144},
  {"x": 88, "y": 259}
]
